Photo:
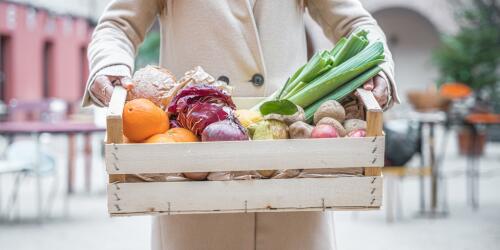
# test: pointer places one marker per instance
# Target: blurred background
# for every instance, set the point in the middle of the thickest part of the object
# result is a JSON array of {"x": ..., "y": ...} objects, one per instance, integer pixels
[{"x": 443, "y": 155}]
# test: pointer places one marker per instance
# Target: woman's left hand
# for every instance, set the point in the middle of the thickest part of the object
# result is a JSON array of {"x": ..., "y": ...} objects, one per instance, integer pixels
[{"x": 379, "y": 87}]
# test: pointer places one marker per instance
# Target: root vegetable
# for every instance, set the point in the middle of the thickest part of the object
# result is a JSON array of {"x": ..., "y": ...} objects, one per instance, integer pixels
[
  {"x": 270, "y": 130},
  {"x": 354, "y": 124},
  {"x": 197, "y": 176},
  {"x": 334, "y": 123},
  {"x": 300, "y": 130},
  {"x": 357, "y": 133},
  {"x": 266, "y": 173},
  {"x": 331, "y": 109},
  {"x": 324, "y": 131}
]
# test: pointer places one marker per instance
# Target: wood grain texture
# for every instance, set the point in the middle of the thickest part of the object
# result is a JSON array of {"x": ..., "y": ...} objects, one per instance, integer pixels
[
  {"x": 311, "y": 194},
  {"x": 114, "y": 123},
  {"x": 244, "y": 155},
  {"x": 374, "y": 122},
  {"x": 369, "y": 100},
  {"x": 114, "y": 115}
]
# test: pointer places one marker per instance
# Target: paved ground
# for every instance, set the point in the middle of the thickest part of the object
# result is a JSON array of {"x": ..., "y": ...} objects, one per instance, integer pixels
[{"x": 88, "y": 227}]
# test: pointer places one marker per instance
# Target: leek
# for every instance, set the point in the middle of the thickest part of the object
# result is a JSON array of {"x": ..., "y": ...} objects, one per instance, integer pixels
[
  {"x": 342, "y": 91},
  {"x": 335, "y": 77},
  {"x": 311, "y": 70},
  {"x": 352, "y": 46}
]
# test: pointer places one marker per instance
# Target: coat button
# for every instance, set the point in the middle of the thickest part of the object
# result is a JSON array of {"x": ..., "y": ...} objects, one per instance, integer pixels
[
  {"x": 223, "y": 79},
  {"x": 257, "y": 80}
]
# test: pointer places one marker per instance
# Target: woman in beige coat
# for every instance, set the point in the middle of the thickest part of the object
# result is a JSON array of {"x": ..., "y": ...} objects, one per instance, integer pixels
[{"x": 255, "y": 45}]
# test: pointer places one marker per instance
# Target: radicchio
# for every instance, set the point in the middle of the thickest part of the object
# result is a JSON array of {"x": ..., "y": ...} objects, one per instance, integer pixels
[{"x": 198, "y": 106}]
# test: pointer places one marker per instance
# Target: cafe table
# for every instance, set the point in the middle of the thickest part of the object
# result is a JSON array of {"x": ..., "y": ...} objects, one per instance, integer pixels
[{"x": 474, "y": 122}]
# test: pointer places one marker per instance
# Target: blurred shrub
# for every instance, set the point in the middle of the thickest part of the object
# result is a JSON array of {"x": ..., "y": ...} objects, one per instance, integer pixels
[
  {"x": 149, "y": 50},
  {"x": 472, "y": 56}
]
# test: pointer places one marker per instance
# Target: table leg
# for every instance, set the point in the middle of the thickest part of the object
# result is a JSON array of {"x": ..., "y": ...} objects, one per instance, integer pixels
[
  {"x": 38, "y": 181},
  {"x": 474, "y": 168},
  {"x": 434, "y": 169},
  {"x": 422, "y": 164},
  {"x": 71, "y": 163},
  {"x": 88, "y": 161}
]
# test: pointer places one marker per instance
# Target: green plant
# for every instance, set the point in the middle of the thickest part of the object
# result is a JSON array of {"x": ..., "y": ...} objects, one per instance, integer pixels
[
  {"x": 149, "y": 50},
  {"x": 472, "y": 55}
]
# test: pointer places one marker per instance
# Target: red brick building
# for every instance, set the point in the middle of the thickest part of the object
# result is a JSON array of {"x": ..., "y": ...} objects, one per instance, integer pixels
[{"x": 41, "y": 55}]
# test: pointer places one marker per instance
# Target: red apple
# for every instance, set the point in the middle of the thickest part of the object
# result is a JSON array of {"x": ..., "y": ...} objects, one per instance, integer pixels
[{"x": 324, "y": 131}]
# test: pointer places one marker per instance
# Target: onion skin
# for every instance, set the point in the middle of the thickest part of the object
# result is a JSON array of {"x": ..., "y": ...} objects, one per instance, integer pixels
[
  {"x": 266, "y": 173},
  {"x": 196, "y": 176},
  {"x": 226, "y": 130},
  {"x": 324, "y": 131}
]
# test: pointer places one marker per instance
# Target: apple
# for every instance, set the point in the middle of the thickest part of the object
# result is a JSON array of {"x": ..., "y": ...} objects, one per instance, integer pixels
[{"x": 324, "y": 131}]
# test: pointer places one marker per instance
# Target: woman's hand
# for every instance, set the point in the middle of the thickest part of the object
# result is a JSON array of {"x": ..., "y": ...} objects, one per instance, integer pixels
[
  {"x": 379, "y": 87},
  {"x": 102, "y": 87}
]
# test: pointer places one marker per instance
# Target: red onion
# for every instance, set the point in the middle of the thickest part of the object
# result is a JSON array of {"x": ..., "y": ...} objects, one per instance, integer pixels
[{"x": 226, "y": 130}]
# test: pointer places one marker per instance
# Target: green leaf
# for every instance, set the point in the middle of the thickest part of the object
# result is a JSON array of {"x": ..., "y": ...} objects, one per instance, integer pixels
[{"x": 281, "y": 107}]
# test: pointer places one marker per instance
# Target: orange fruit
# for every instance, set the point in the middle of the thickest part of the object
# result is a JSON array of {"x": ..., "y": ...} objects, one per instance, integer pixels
[
  {"x": 142, "y": 119},
  {"x": 182, "y": 135},
  {"x": 159, "y": 138}
]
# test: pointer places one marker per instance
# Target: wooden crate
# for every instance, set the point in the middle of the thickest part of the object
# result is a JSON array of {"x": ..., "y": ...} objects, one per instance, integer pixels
[{"x": 241, "y": 196}]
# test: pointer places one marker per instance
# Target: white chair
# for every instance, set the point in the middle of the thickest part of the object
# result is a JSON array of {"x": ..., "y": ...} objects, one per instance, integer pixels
[{"x": 20, "y": 160}]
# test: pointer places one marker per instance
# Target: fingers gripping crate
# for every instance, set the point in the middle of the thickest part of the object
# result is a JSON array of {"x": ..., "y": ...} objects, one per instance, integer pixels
[{"x": 127, "y": 198}]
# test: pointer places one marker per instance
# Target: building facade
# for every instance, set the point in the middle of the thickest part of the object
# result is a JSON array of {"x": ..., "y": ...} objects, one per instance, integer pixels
[{"x": 41, "y": 55}]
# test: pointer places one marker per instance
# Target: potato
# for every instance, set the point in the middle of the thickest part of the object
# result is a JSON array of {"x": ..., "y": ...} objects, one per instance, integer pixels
[
  {"x": 334, "y": 123},
  {"x": 300, "y": 130},
  {"x": 354, "y": 124},
  {"x": 331, "y": 109}
]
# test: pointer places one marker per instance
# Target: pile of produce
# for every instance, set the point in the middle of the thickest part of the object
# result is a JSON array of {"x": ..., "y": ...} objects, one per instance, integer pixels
[
  {"x": 329, "y": 75},
  {"x": 199, "y": 108}
]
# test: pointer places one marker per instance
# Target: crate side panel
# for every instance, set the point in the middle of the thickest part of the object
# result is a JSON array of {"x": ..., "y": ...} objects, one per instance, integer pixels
[
  {"x": 247, "y": 155},
  {"x": 241, "y": 196}
]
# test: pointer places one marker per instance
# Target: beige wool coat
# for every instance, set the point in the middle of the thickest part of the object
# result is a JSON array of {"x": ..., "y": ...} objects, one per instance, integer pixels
[{"x": 257, "y": 45}]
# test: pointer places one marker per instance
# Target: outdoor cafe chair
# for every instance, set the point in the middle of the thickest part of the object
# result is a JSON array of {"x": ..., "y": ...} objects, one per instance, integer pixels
[{"x": 19, "y": 161}]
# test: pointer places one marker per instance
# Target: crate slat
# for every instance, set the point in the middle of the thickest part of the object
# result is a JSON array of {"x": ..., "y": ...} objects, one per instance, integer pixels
[
  {"x": 248, "y": 155},
  {"x": 308, "y": 194}
]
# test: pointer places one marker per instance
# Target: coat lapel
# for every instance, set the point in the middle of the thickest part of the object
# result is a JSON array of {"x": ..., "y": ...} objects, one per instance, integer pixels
[{"x": 245, "y": 7}]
